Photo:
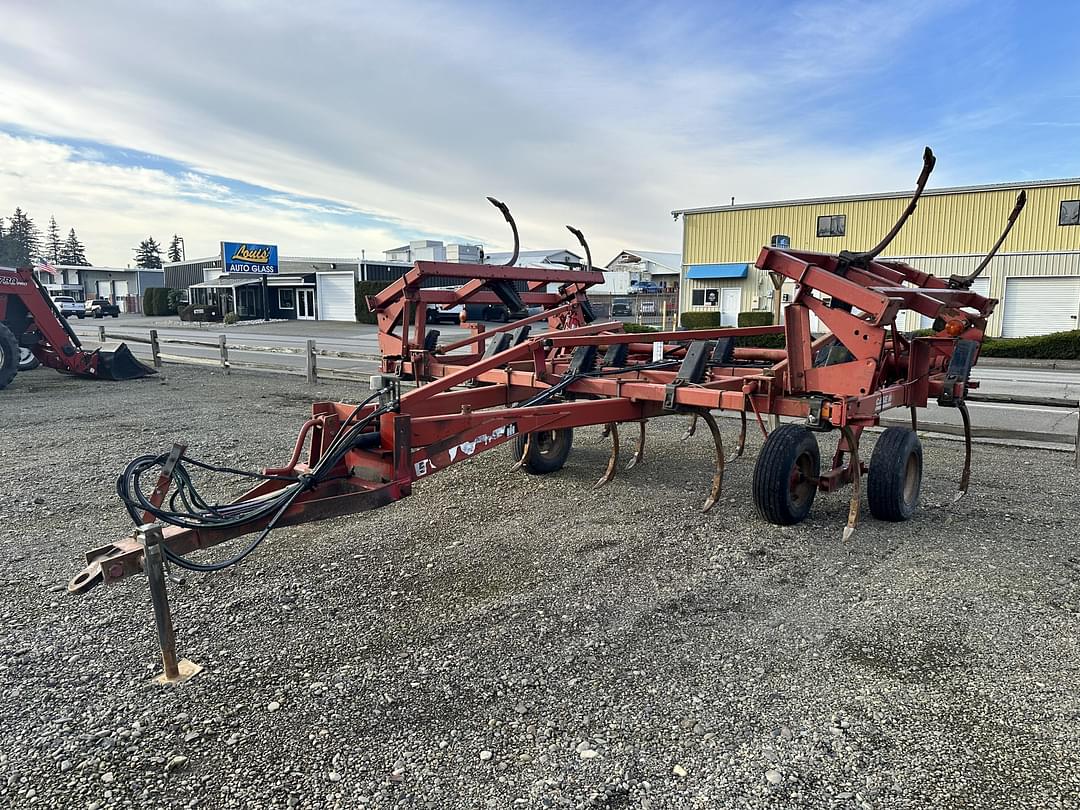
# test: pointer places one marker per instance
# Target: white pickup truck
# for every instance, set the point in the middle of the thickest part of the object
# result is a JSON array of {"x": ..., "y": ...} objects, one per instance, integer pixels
[{"x": 68, "y": 306}]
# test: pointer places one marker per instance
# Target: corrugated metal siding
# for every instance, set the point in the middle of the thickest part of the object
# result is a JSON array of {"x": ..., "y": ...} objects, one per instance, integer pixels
[
  {"x": 1000, "y": 269},
  {"x": 943, "y": 224}
]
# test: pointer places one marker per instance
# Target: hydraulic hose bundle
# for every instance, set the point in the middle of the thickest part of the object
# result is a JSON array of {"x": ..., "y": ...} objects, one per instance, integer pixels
[{"x": 188, "y": 509}]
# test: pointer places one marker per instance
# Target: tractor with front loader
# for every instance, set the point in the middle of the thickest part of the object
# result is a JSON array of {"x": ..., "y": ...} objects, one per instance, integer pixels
[
  {"x": 33, "y": 332},
  {"x": 436, "y": 404}
]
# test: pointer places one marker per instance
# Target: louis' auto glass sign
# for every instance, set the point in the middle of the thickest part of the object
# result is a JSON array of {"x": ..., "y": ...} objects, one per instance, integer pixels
[{"x": 248, "y": 257}]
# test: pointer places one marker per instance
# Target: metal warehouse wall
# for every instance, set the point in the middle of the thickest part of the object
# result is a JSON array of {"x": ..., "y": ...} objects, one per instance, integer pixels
[
  {"x": 1001, "y": 268},
  {"x": 955, "y": 223}
]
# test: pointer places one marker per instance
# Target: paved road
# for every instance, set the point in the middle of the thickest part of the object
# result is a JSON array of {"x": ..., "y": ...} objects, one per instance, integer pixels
[{"x": 1052, "y": 424}]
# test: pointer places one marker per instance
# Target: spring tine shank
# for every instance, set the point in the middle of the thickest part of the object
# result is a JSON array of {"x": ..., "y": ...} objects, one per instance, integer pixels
[
  {"x": 854, "y": 466},
  {"x": 718, "y": 476},
  {"x": 639, "y": 451},
  {"x": 965, "y": 476},
  {"x": 691, "y": 427},
  {"x": 742, "y": 435},
  {"x": 613, "y": 460},
  {"x": 524, "y": 453}
]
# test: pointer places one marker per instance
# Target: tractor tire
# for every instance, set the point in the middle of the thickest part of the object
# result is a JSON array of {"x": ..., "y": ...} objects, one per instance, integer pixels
[
  {"x": 895, "y": 476},
  {"x": 27, "y": 359},
  {"x": 548, "y": 450},
  {"x": 785, "y": 475},
  {"x": 9, "y": 356}
]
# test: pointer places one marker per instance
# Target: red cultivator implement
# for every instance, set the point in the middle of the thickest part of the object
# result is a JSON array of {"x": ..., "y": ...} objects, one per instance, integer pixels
[
  {"x": 33, "y": 332},
  {"x": 511, "y": 386}
]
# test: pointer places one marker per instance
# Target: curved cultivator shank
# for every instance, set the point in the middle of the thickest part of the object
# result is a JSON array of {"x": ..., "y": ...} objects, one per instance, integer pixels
[{"x": 531, "y": 382}]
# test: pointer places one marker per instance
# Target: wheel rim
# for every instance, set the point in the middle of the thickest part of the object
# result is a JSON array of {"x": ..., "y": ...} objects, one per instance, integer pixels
[
  {"x": 801, "y": 483},
  {"x": 25, "y": 356},
  {"x": 545, "y": 441},
  {"x": 912, "y": 471}
]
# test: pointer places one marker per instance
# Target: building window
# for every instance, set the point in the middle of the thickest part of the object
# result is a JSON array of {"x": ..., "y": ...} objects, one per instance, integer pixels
[
  {"x": 832, "y": 225},
  {"x": 1070, "y": 213},
  {"x": 705, "y": 298},
  {"x": 286, "y": 298}
]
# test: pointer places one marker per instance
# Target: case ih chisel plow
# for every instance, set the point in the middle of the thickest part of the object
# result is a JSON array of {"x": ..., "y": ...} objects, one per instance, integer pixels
[{"x": 529, "y": 389}]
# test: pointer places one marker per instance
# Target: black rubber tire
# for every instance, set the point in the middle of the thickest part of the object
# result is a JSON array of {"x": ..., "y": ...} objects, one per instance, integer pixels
[
  {"x": 548, "y": 450},
  {"x": 785, "y": 475},
  {"x": 97, "y": 314},
  {"x": 9, "y": 356},
  {"x": 895, "y": 476},
  {"x": 80, "y": 315},
  {"x": 27, "y": 360},
  {"x": 116, "y": 314}
]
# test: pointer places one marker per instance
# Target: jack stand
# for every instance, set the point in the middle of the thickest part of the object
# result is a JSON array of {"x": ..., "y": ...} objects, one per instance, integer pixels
[{"x": 175, "y": 671}]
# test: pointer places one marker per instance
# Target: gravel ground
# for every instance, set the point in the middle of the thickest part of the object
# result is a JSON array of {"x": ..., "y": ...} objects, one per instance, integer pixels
[{"x": 499, "y": 640}]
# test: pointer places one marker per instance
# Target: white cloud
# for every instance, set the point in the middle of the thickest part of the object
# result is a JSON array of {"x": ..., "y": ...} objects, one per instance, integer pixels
[
  {"x": 114, "y": 207},
  {"x": 415, "y": 112}
]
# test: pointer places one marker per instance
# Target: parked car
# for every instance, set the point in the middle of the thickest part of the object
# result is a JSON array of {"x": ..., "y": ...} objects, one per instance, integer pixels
[
  {"x": 439, "y": 315},
  {"x": 487, "y": 312},
  {"x": 68, "y": 306},
  {"x": 100, "y": 307},
  {"x": 622, "y": 306},
  {"x": 649, "y": 287}
]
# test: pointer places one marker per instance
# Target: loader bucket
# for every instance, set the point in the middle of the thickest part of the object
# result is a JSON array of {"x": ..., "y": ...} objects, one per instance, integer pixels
[{"x": 116, "y": 362}]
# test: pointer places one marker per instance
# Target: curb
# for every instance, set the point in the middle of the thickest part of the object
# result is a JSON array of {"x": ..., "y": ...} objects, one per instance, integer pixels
[{"x": 1018, "y": 362}]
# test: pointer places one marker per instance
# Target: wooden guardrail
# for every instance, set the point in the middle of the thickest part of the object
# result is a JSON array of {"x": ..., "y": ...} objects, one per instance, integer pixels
[{"x": 311, "y": 352}]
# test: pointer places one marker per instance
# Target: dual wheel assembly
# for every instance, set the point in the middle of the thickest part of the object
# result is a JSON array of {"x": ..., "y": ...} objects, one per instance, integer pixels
[
  {"x": 787, "y": 472},
  {"x": 788, "y": 469}
]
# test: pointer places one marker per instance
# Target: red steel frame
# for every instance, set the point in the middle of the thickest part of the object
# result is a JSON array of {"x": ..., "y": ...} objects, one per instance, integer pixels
[{"x": 466, "y": 404}]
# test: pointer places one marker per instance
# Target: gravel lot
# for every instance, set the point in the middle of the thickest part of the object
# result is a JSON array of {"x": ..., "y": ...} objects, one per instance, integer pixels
[{"x": 499, "y": 640}]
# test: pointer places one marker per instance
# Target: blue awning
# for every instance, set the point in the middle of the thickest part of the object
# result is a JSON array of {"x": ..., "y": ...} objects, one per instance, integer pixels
[{"x": 717, "y": 270}]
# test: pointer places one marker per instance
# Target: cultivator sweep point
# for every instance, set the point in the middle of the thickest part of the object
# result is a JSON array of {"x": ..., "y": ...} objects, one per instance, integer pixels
[{"x": 530, "y": 390}]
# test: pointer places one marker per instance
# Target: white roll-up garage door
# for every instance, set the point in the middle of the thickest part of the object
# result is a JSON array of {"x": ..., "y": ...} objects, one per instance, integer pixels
[
  {"x": 337, "y": 296},
  {"x": 1038, "y": 306}
]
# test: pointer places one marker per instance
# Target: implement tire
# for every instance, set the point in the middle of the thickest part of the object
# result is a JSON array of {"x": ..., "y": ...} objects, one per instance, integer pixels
[
  {"x": 895, "y": 476},
  {"x": 9, "y": 356},
  {"x": 548, "y": 450},
  {"x": 785, "y": 475},
  {"x": 27, "y": 359}
]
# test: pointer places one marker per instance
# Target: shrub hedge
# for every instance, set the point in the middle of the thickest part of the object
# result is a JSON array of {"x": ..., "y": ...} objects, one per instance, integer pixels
[
  {"x": 711, "y": 320},
  {"x": 363, "y": 289},
  {"x": 755, "y": 318},
  {"x": 151, "y": 298},
  {"x": 700, "y": 320},
  {"x": 156, "y": 301},
  {"x": 1055, "y": 346}
]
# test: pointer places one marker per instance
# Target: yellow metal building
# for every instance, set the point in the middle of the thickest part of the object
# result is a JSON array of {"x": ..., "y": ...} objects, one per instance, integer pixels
[{"x": 1035, "y": 277}]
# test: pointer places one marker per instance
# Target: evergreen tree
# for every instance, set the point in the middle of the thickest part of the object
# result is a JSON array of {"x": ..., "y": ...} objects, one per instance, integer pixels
[
  {"x": 72, "y": 251},
  {"x": 26, "y": 236},
  {"x": 9, "y": 251},
  {"x": 148, "y": 253},
  {"x": 175, "y": 255},
  {"x": 53, "y": 246}
]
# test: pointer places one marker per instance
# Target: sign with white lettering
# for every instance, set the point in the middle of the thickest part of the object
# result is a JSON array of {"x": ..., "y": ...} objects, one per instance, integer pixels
[{"x": 247, "y": 257}]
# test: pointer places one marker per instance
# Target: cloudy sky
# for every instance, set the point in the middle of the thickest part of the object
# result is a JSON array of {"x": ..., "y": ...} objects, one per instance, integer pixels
[{"x": 335, "y": 127}]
